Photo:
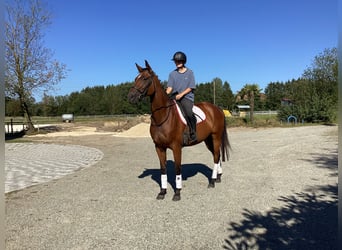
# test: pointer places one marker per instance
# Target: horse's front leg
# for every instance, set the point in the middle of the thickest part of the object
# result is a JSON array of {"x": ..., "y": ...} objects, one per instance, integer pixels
[
  {"x": 163, "y": 178},
  {"x": 177, "y": 156}
]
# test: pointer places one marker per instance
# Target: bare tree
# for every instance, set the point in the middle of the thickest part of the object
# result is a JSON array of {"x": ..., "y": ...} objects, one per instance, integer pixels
[{"x": 29, "y": 65}]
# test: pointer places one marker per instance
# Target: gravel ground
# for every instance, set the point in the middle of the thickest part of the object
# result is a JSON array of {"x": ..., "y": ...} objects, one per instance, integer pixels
[
  {"x": 27, "y": 164},
  {"x": 278, "y": 191}
]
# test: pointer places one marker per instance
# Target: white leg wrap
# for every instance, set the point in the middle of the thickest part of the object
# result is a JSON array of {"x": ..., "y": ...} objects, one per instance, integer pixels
[
  {"x": 179, "y": 181},
  {"x": 219, "y": 170},
  {"x": 214, "y": 175},
  {"x": 164, "y": 181}
]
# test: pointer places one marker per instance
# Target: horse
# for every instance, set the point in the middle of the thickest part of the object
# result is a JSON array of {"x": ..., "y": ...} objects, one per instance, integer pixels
[{"x": 167, "y": 129}]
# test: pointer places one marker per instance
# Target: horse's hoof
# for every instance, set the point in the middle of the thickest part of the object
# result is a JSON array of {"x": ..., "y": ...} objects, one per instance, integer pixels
[
  {"x": 176, "y": 197},
  {"x": 212, "y": 183},
  {"x": 218, "y": 180},
  {"x": 161, "y": 195}
]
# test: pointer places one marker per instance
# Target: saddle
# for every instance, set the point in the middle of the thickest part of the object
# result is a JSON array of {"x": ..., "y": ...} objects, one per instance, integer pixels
[{"x": 199, "y": 114}]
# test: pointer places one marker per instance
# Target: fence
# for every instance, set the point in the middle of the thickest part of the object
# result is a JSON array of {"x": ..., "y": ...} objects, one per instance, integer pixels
[
  {"x": 14, "y": 129},
  {"x": 269, "y": 112}
]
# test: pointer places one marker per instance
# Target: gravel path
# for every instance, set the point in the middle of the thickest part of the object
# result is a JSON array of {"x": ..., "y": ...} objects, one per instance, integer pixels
[{"x": 278, "y": 191}]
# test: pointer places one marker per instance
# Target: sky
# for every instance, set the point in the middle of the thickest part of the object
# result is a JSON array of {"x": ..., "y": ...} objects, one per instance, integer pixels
[{"x": 239, "y": 41}]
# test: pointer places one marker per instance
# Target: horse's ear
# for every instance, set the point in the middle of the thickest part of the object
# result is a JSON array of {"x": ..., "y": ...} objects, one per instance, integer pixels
[
  {"x": 140, "y": 69},
  {"x": 147, "y": 65}
]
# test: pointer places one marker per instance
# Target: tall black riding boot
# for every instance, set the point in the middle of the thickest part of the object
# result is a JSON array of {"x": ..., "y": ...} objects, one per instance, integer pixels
[{"x": 192, "y": 126}]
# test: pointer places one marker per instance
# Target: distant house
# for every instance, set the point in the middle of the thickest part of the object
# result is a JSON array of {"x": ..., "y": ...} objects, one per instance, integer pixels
[{"x": 286, "y": 102}]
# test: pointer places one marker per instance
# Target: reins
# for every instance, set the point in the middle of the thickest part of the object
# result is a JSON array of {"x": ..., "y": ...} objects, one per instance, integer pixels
[
  {"x": 160, "y": 108},
  {"x": 167, "y": 117}
]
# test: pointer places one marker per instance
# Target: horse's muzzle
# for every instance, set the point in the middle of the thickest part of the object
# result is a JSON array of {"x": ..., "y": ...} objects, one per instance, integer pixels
[{"x": 134, "y": 97}]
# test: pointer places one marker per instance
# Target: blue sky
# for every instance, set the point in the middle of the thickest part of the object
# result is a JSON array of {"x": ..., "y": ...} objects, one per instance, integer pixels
[{"x": 239, "y": 41}]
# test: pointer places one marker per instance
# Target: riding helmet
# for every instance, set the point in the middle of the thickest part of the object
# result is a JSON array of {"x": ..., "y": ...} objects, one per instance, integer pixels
[{"x": 179, "y": 56}]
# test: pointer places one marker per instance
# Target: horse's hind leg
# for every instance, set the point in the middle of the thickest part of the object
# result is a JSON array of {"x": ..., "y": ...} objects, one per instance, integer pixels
[
  {"x": 219, "y": 172},
  {"x": 214, "y": 146}
]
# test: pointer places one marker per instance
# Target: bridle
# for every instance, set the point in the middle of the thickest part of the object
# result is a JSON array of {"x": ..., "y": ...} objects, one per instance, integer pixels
[{"x": 143, "y": 92}]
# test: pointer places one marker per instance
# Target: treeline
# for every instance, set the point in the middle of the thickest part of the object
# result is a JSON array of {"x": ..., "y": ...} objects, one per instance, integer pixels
[
  {"x": 112, "y": 100},
  {"x": 312, "y": 97}
]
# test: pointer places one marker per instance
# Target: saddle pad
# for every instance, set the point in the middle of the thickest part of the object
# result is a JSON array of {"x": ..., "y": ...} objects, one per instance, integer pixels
[{"x": 199, "y": 114}]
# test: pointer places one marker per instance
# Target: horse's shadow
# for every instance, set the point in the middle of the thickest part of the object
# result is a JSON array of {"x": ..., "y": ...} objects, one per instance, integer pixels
[{"x": 188, "y": 170}]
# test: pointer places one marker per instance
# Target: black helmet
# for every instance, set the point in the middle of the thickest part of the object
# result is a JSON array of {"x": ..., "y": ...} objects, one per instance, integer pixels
[{"x": 179, "y": 56}]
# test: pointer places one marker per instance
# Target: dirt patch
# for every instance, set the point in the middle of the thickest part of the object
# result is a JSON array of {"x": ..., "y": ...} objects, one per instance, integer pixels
[
  {"x": 132, "y": 127},
  {"x": 140, "y": 130}
]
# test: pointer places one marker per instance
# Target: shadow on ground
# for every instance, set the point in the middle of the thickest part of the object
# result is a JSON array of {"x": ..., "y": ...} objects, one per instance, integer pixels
[
  {"x": 14, "y": 135},
  {"x": 188, "y": 171},
  {"x": 307, "y": 220},
  {"x": 326, "y": 161}
]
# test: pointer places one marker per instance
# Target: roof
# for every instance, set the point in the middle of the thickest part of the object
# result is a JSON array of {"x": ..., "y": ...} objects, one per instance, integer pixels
[{"x": 243, "y": 106}]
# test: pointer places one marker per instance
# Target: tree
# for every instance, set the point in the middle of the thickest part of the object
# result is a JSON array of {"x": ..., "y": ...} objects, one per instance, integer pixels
[
  {"x": 29, "y": 65},
  {"x": 249, "y": 91},
  {"x": 215, "y": 92},
  {"x": 324, "y": 68},
  {"x": 204, "y": 92},
  {"x": 49, "y": 106},
  {"x": 228, "y": 96},
  {"x": 314, "y": 96},
  {"x": 323, "y": 78},
  {"x": 275, "y": 92},
  {"x": 12, "y": 107}
]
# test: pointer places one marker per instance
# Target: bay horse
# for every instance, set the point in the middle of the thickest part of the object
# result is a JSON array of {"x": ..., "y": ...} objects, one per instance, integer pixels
[{"x": 167, "y": 129}]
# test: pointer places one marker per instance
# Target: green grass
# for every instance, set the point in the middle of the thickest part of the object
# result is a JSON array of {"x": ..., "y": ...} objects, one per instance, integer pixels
[
  {"x": 259, "y": 121},
  {"x": 267, "y": 120},
  {"x": 262, "y": 121}
]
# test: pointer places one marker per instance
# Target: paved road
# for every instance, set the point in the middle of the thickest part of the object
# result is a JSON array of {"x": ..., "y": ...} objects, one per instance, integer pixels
[{"x": 278, "y": 191}]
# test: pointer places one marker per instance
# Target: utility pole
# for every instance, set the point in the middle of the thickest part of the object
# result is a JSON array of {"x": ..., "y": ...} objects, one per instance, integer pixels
[{"x": 214, "y": 91}]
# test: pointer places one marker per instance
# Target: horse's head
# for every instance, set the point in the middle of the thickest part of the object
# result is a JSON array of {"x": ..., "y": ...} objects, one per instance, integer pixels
[{"x": 142, "y": 84}]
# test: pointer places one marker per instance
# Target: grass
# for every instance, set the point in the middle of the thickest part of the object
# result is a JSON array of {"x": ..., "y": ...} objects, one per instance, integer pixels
[
  {"x": 263, "y": 121},
  {"x": 268, "y": 120},
  {"x": 259, "y": 121}
]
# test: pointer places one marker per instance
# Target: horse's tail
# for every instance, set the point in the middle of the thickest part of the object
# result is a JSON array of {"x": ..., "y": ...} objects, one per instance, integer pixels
[{"x": 225, "y": 144}]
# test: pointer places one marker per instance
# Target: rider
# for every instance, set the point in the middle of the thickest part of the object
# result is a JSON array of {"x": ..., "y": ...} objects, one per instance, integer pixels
[{"x": 182, "y": 83}]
